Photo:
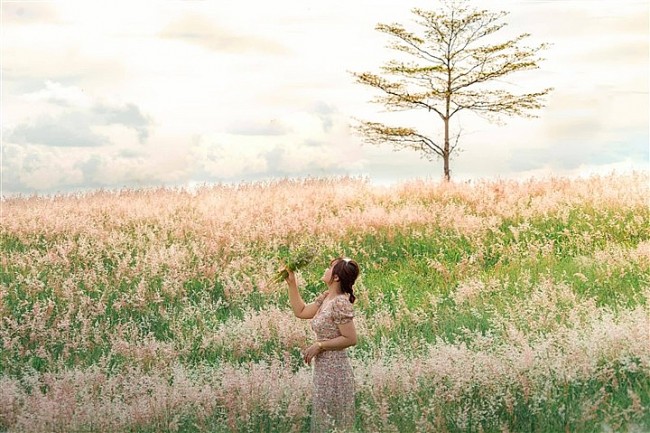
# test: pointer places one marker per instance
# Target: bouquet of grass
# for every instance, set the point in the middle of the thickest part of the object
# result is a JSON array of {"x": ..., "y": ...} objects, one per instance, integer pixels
[{"x": 294, "y": 261}]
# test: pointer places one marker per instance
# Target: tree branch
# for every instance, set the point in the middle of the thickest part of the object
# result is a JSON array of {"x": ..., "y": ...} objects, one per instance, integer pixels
[
  {"x": 377, "y": 133},
  {"x": 395, "y": 97},
  {"x": 397, "y": 31}
]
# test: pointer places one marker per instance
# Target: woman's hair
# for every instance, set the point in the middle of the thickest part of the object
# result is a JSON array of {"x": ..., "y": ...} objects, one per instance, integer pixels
[{"x": 347, "y": 270}]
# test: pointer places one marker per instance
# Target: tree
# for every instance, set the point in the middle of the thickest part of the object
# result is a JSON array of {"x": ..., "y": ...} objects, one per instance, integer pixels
[{"x": 458, "y": 67}]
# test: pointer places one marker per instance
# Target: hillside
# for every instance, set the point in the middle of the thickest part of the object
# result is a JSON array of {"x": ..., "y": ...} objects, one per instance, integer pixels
[{"x": 493, "y": 306}]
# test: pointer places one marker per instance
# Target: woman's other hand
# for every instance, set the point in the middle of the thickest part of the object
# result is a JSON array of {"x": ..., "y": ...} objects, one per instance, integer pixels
[{"x": 311, "y": 352}]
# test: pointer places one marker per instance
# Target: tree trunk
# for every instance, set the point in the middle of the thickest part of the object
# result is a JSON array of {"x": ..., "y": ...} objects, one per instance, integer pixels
[{"x": 445, "y": 153}]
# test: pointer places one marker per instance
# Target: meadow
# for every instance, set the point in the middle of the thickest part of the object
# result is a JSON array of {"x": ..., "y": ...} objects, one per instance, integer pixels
[{"x": 491, "y": 306}]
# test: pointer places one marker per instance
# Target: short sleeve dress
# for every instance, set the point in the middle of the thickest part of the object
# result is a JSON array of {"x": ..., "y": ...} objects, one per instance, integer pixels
[{"x": 333, "y": 392}]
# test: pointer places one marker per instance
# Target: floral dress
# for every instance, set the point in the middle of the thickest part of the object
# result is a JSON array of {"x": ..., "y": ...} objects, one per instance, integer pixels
[{"x": 333, "y": 395}]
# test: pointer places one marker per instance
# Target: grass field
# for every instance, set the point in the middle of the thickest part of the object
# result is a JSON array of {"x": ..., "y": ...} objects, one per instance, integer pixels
[{"x": 485, "y": 307}]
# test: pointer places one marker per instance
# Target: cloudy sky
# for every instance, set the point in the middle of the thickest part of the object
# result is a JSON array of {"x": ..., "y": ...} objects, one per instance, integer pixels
[{"x": 99, "y": 94}]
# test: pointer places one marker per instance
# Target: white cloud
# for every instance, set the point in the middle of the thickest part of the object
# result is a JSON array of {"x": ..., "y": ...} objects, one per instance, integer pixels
[
  {"x": 216, "y": 158},
  {"x": 77, "y": 119},
  {"x": 58, "y": 53},
  {"x": 314, "y": 142},
  {"x": 257, "y": 127},
  {"x": 33, "y": 168},
  {"x": 28, "y": 13},
  {"x": 59, "y": 94},
  {"x": 196, "y": 29}
]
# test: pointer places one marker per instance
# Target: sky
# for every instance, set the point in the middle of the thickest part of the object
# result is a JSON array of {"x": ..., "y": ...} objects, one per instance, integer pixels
[{"x": 132, "y": 94}]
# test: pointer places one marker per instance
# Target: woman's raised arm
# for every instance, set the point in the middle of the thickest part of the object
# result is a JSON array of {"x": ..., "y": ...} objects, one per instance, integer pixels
[{"x": 300, "y": 310}]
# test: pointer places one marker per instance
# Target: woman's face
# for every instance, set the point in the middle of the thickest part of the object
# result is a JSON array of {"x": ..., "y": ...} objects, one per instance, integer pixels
[{"x": 327, "y": 275}]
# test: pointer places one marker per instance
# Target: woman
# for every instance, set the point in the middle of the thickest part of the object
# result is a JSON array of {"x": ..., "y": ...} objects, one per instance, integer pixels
[{"x": 332, "y": 321}]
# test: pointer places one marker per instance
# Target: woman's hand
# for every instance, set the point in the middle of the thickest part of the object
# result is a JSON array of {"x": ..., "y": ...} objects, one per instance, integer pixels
[
  {"x": 311, "y": 352},
  {"x": 291, "y": 277}
]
